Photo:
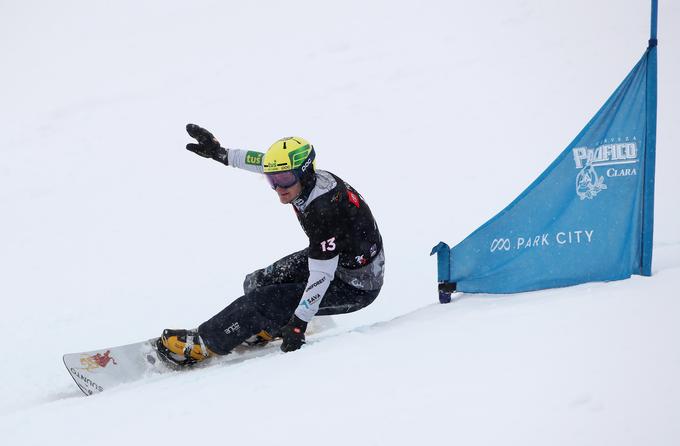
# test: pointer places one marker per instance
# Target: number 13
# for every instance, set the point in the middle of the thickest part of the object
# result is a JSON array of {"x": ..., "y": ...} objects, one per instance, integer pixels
[{"x": 328, "y": 245}]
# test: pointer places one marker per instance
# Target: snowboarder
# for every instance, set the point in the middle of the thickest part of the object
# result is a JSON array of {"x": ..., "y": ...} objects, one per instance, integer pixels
[{"x": 340, "y": 271}]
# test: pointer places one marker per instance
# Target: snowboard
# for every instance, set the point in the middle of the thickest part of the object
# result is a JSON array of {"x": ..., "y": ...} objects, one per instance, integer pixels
[{"x": 99, "y": 370}]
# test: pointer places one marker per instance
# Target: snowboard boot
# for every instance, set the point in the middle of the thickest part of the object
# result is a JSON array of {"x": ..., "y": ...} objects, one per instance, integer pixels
[
  {"x": 261, "y": 339},
  {"x": 182, "y": 347}
]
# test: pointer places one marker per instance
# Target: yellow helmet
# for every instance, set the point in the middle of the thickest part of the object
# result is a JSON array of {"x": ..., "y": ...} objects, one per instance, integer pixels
[
  {"x": 291, "y": 153},
  {"x": 288, "y": 161}
]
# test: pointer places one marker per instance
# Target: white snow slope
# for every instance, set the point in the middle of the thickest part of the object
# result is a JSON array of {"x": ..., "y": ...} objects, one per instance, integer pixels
[{"x": 111, "y": 231}]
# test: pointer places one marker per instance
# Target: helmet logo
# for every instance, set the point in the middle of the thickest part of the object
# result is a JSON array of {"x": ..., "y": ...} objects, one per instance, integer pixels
[{"x": 306, "y": 164}]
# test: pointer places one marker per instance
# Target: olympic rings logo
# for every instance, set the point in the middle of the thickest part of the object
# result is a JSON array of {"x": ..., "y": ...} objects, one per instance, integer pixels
[{"x": 500, "y": 244}]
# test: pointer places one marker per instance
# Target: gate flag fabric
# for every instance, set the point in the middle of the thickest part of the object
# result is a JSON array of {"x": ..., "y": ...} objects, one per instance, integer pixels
[{"x": 588, "y": 216}]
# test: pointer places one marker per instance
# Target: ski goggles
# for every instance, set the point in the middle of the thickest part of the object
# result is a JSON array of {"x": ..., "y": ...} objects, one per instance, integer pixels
[{"x": 282, "y": 179}]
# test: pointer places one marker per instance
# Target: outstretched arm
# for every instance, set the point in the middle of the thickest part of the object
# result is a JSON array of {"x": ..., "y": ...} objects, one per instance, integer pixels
[
  {"x": 245, "y": 159},
  {"x": 209, "y": 147}
]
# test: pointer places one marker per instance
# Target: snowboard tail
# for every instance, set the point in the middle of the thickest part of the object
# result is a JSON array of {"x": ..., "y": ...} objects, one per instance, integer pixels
[{"x": 98, "y": 370}]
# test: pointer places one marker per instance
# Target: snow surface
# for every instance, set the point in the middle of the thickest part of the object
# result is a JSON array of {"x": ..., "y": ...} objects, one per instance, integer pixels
[{"x": 111, "y": 231}]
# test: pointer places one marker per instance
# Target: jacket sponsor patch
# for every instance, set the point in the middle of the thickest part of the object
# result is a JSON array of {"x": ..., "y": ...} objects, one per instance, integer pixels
[
  {"x": 307, "y": 303},
  {"x": 315, "y": 284},
  {"x": 254, "y": 158},
  {"x": 353, "y": 198}
]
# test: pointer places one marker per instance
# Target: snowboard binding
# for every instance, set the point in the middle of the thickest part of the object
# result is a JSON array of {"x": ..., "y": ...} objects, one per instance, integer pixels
[{"x": 181, "y": 348}]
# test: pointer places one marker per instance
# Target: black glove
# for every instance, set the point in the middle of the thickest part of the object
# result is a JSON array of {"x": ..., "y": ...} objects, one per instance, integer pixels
[
  {"x": 208, "y": 146},
  {"x": 293, "y": 334}
]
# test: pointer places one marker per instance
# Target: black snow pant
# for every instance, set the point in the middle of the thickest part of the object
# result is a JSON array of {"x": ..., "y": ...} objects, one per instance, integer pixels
[{"x": 271, "y": 296}]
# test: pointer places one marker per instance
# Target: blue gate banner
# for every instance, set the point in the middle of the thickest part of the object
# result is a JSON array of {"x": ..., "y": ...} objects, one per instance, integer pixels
[{"x": 587, "y": 217}]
